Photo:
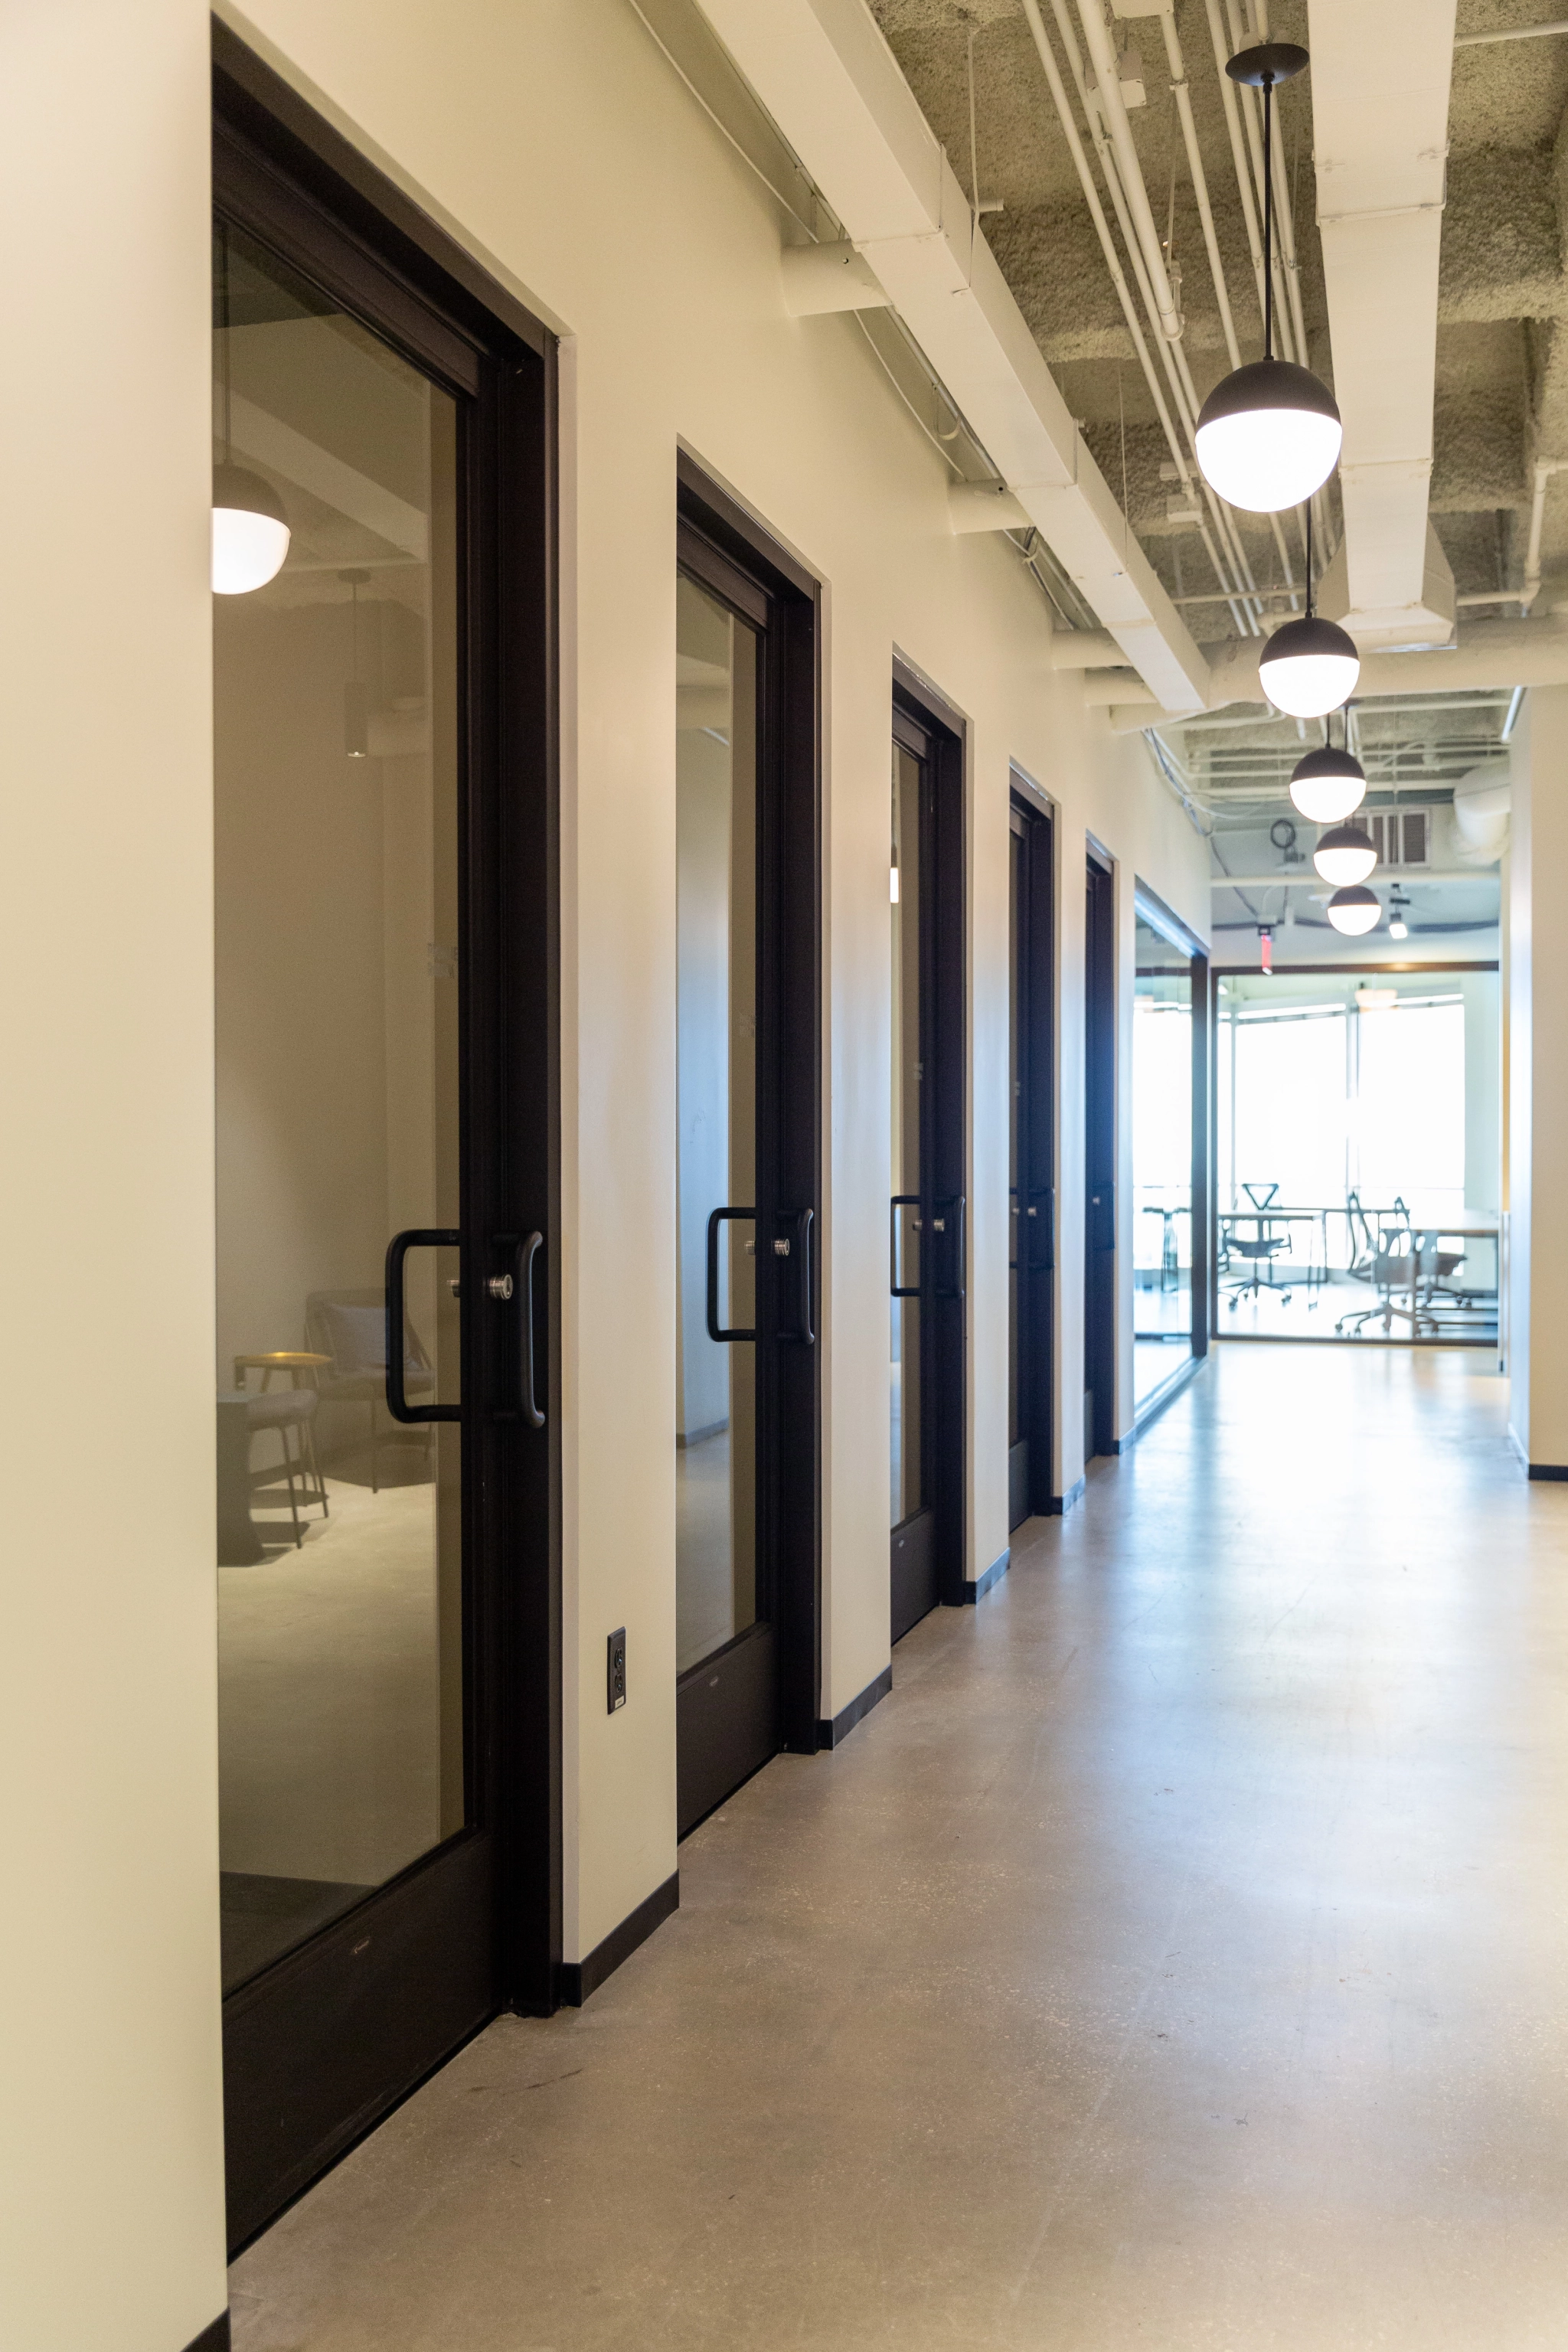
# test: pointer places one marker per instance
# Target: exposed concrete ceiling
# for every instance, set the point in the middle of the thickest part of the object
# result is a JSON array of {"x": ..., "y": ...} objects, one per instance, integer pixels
[{"x": 1501, "y": 373}]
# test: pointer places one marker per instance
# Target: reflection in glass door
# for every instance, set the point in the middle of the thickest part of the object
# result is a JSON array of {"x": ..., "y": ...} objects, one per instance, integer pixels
[
  {"x": 1170, "y": 1122},
  {"x": 716, "y": 1045},
  {"x": 747, "y": 1089},
  {"x": 908, "y": 1459},
  {"x": 382, "y": 1179},
  {"x": 1031, "y": 1164}
]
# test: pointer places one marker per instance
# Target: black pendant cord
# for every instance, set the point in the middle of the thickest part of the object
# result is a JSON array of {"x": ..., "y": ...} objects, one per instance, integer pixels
[
  {"x": 353, "y": 625},
  {"x": 227, "y": 362},
  {"x": 1308, "y": 514},
  {"x": 1268, "y": 221}
]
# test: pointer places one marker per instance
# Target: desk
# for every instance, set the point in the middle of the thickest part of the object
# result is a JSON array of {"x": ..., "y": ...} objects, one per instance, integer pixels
[{"x": 1425, "y": 1237}]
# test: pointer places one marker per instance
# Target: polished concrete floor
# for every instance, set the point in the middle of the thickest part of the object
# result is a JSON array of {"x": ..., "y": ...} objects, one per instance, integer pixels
[{"x": 1178, "y": 1958}]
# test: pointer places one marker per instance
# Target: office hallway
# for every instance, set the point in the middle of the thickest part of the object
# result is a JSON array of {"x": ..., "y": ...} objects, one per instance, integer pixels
[{"x": 1175, "y": 1958}]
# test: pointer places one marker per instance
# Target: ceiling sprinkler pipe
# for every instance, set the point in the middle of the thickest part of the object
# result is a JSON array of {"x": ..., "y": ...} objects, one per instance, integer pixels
[
  {"x": 1229, "y": 95},
  {"x": 1113, "y": 112},
  {"x": 1544, "y": 470},
  {"x": 1183, "y": 98}
]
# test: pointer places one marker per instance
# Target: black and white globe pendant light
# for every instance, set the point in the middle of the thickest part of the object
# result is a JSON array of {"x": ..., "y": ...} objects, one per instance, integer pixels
[
  {"x": 1344, "y": 854},
  {"x": 250, "y": 529},
  {"x": 1328, "y": 785},
  {"x": 1355, "y": 911},
  {"x": 1269, "y": 435},
  {"x": 1311, "y": 665}
]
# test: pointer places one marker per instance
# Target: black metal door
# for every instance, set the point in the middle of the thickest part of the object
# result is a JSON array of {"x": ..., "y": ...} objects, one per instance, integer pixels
[
  {"x": 928, "y": 1243},
  {"x": 388, "y": 1610},
  {"x": 748, "y": 1153},
  {"x": 1100, "y": 1164},
  {"x": 1031, "y": 1176}
]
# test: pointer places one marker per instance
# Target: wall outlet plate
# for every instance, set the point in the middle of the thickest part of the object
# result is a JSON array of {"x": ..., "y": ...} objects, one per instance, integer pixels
[{"x": 616, "y": 1670}]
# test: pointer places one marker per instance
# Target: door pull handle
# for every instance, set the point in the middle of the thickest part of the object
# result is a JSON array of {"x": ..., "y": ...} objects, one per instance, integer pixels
[
  {"x": 398, "y": 1249},
  {"x": 716, "y": 1331},
  {"x": 801, "y": 1219},
  {"x": 900, "y": 1201},
  {"x": 526, "y": 1252}
]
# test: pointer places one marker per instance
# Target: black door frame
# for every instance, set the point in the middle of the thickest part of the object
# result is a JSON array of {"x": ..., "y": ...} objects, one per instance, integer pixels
[
  {"x": 1099, "y": 1135},
  {"x": 321, "y": 2046},
  {"x": 1152, "y": 909},
  {"x": 1033, "y": 1237},
  {"x": 760, "y": 1692},
  {"x": 927, "y": 1563}
]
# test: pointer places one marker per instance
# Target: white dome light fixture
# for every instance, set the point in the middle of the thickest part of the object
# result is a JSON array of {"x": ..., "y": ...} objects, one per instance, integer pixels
[
  {"x": 250, "y": 532},
  {"x": 1269, "y": 435},
  {"x": 1355, "y": 911},
  {"x": 250, "y": 528},
  {"x": 1309, "y": 667},
  {"x": 1328, "y": 785},
  {"x": 1344, "y": 854}
]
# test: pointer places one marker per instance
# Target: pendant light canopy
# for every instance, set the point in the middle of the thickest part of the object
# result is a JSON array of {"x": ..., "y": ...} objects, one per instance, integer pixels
[
  {"x": 1328, "y": 785},
  {"x": 1355, "y": 911},
  {"x": 1344, "y": 854},
  {"x": 1269, "y": 435},
  {"x": 250, "y": 529},
  {"x": 250, "y": 532}
]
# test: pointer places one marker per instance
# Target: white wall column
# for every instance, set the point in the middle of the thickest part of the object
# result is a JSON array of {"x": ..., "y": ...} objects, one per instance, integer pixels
[{"x": 1538, "y": 1084}]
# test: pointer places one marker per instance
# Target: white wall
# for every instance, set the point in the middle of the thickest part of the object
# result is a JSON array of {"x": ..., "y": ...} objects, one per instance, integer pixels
[
  {"x": 110, "y": 2140},
  {"x": 555, "y": 141},
  {"x": 1538, "y": 1082}
]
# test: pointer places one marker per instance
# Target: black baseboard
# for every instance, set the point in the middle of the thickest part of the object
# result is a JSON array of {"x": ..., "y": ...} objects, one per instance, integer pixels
[
  {"x": 575, "y": 1979},
  {"x": 215, "y": 2338},
  {"x": 1548, "y": 1470},
  {"x": 994, "y": 1575},
  {"x": 1060, "y": 1503},
  {"x": 832, "y": 1733}
]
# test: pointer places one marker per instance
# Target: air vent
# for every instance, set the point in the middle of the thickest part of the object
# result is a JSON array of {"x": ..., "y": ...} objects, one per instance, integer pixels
[{"x": 1401, "y": 836}]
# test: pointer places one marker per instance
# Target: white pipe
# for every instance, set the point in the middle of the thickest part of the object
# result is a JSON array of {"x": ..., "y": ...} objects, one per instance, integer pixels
[
  {"x": 1113, "y": 114},
  {"x": 1513, "y": 33},
  {"x": 1233, "y": 124},
  {"x": 1386, "y": 874},
  {"x": 1544, "y": 470},
  {"x": 1183, "y": 98}
]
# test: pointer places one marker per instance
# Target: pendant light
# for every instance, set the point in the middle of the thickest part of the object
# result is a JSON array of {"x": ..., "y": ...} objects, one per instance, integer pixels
[
  {"x": 1398, "y": 906},
  {"x": 356, "y": 694},
  {"x": 1344, "y": 854},
  {"x": 1328, "y": 785},
  {"x": 250, "y": 529},
  {"x": 1311, "y": 665},
  {"x": 1356, "y": 911},
  {"x": 1268, "y": 434}
]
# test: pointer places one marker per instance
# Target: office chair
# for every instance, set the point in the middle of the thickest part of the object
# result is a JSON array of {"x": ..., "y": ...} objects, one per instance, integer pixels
[{"x": 1258, "y": 1251}]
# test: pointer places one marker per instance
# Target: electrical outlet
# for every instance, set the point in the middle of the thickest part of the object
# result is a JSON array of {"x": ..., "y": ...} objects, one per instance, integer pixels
[{"x": 616, "y": 1670}]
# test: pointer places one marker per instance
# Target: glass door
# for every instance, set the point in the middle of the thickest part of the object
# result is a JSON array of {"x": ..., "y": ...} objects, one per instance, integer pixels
[
  {"x": 746, "y": 1147},
  {"x": 1166, "y": 1140},
  {"x": 381, "y": 1187},
  {"x": 926, "y": 1220},
  {"x": 1100, "y": 1432},
  {"x": 1031, "y": 1193}
]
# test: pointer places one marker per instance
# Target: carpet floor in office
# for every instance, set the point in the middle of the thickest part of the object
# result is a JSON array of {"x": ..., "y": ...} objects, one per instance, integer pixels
[{"x": 1178, "y": 1957}]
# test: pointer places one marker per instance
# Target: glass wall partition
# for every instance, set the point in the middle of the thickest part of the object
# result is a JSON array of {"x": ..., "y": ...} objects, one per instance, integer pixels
[
  {"x": 1359, "y": 1168},
  {"x": 1168, "y": 1148}
]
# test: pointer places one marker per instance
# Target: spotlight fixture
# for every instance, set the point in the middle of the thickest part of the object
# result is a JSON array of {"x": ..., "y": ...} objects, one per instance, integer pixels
[
  {"x": 1355, "y": 911},
  {"x": 1344, "y": 854},
  {"x": 1309, "y": 667},
  {"x": 1268, "y": 434},
  {"x": 1398, "y": 929},
  {"x": 250, "y": 529},
  {"x": 1328, "y": 785}
]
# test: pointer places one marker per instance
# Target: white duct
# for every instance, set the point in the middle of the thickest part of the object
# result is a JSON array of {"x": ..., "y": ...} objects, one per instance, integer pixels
[
  {"x": 1483, "y": 804},
  {"x": 822, "y": 278},
  {"x": 830, "y": 82},
  {"x": 972, "y": 506},
  {"x": 1380, "y": 116}
]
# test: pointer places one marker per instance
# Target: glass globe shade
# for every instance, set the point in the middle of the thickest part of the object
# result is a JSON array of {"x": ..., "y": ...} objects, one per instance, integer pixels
[
  {"x": 1327, "y": 785},
  {"x": 1308, "y": 667},
  {"x": 1268, "y": 435},
  {"x": 250, "y": 532},
  {"x": 1344, "y": 854},
  {"x": 1355, "y": 911}
]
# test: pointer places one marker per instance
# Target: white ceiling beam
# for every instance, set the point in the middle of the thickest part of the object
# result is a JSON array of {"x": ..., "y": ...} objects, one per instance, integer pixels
[
  {"x": 1380, "y": 133},
  {"x": 829, "y": 80}
]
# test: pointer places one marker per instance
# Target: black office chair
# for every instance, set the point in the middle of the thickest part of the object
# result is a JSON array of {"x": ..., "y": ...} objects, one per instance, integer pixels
[{"x": 1258, "y": 1250}]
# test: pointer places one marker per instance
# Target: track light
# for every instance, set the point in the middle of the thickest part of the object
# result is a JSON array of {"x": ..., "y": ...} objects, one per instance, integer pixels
[
  {"x": 1355, "y": 911},
  {"x": 1328, "y": 785},
  {"x": 1269, "y": 435},
  {"x": 1344, "y": 854},
  {"x": 1311, "y": 665}
]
